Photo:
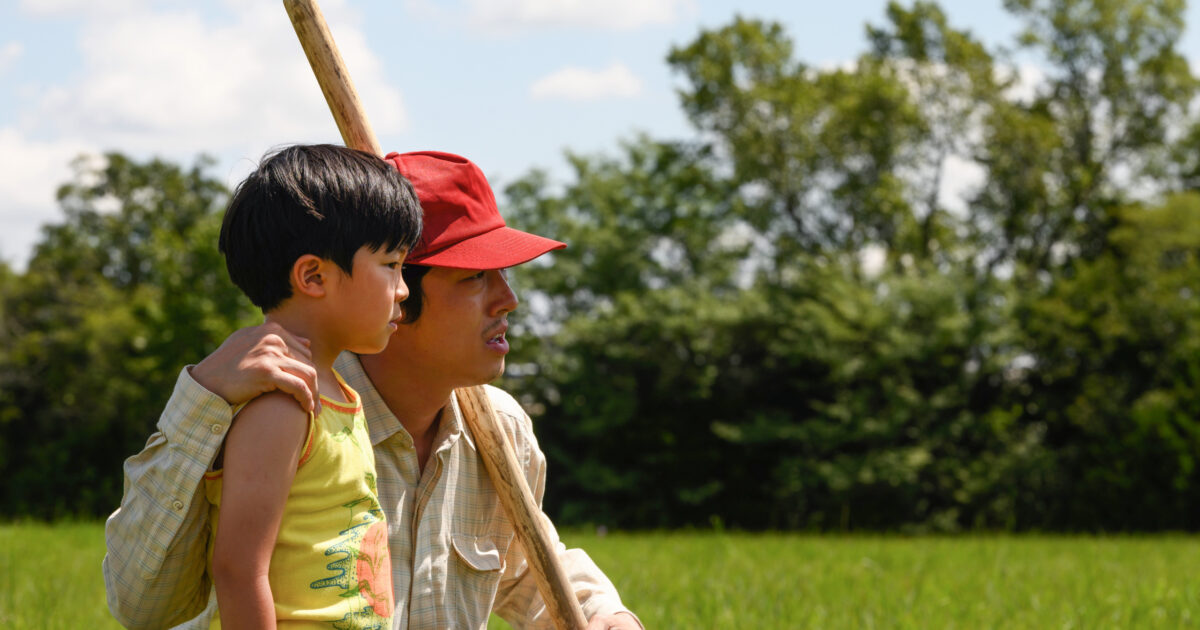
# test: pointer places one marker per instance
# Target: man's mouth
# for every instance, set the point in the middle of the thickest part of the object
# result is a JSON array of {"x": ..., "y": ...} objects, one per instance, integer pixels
[{"x": 497, "y": 341}]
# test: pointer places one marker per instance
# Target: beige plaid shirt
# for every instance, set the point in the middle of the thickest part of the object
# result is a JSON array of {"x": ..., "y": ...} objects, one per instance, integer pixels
[{"x": 453, "y": 557}]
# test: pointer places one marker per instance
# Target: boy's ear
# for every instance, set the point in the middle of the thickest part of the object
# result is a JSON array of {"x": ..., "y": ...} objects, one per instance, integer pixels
[{"x": 308, "y": 275}]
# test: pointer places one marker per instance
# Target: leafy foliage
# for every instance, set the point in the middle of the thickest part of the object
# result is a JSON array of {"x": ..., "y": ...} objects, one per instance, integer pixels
[
  {"x": 715, "y": 344},
  {"x": 784, "y": 321},
  {"x": 115, "y": 299}
]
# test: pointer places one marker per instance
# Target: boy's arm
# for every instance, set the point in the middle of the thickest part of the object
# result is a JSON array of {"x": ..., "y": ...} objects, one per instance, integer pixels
[
  {"x": 158, "y": 539},
  {"x": 261, "y": 455}
]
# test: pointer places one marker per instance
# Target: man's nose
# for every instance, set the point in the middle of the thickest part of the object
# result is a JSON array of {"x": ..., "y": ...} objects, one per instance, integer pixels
[{"x": 504, "y": 299}]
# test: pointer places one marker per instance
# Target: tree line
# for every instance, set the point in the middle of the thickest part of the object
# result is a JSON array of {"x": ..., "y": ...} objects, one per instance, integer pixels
[{"x": 787, "y": 320}]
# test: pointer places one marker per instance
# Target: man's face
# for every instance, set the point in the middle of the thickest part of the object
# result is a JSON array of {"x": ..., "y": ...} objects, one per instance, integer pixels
[{"x": 459, "y": 338}]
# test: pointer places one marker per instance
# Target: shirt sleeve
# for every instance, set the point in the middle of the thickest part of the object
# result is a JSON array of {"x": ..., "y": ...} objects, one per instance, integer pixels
[
  {"x": 517, "y": 600},
  {"x": 157, "y": 541}
]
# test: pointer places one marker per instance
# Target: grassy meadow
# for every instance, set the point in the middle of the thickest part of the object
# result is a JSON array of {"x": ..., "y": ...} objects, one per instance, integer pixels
[{"x": 50, "y": 578}]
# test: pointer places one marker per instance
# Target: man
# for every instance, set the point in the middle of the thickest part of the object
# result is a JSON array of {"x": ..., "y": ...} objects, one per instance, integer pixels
[{"x": 453, "y": 557}]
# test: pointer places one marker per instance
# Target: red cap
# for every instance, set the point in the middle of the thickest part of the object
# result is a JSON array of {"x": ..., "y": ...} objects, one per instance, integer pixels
[{"x": 463, "y": 228}]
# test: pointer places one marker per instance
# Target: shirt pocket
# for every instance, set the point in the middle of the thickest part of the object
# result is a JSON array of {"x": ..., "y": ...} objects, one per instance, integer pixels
[
  {"x": 478, "y": 563},
  {"x": 481, "y": 553}
]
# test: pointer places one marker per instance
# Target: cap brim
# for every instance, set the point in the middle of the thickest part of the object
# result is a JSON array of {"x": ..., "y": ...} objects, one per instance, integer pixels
[{"x": 497, "y": 249}]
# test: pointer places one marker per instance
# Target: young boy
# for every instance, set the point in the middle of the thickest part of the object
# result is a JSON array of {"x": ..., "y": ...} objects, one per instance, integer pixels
[{"x": 315, "y": 237}]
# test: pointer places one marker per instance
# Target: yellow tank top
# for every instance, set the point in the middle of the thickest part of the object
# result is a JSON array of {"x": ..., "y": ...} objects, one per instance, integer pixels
[{"x": 330, "y": 567}]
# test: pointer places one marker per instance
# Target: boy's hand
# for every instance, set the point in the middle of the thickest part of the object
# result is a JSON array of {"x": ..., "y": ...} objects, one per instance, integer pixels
[{"x": 257, "y": 360}]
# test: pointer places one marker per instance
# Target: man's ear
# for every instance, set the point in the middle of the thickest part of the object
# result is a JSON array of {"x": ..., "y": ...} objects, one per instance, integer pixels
[{"x": 308, "y": 275}]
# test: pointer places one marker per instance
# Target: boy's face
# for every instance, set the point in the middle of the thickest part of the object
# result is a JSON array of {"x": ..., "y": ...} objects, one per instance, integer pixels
[
  {"x": 459, "y": 339},
  {"x": 368, "y": 300}
]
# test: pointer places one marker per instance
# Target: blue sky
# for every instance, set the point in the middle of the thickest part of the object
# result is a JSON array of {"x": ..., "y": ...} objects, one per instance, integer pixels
[{"x": 507, "y": 83}]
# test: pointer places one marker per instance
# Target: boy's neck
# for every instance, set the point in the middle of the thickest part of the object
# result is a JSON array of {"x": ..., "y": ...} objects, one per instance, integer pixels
[{"x": 323, "y": 353}]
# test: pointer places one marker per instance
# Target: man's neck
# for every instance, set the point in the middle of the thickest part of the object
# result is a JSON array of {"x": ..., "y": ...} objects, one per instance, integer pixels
[{"x": 414, "y": 401}]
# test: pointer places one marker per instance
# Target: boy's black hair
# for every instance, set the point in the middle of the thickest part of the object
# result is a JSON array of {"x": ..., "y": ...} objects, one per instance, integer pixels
[{"x": 323, "y": 200}]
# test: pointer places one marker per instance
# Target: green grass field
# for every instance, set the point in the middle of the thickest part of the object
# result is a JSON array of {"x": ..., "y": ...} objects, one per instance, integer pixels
[{"x": 50, "y": 578}]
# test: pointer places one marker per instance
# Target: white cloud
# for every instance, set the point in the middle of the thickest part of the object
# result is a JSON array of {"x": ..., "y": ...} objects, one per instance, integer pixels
[
  {"x": 9, "y": 54},
  {"x": 170, "y": 81},
  {"x": 58, "y": 8},
  {"x": 32, "y": 173},
  {"x": 512, "y": 15},
  {"x": 167, "y": 80},
  {"x": 581, "y": 84}
]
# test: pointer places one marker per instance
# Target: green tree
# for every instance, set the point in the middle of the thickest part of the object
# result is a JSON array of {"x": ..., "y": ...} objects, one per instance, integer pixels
[
  {"x": 635, "y": 307},
  {"x": 1114, "y": 385},
  {"x": 715, "y": 346},
  {"x": 816, "y": 154},
  {"x": 763, "y": 374},
  {"x": 117, "y": 296},
  {"x": 1075, "y": 181},
  {"x": 779, "y": 322},
  {"x": 1096, "y": 135}
]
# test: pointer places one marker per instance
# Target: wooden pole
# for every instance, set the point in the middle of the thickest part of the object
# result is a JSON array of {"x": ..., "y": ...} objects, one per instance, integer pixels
[
  {"x": 532, "y": 529},
  {"x": 331, "y": 73}
]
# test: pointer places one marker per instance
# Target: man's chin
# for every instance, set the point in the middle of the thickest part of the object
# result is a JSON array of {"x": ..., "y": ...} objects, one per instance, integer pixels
[{"x": 491, "y": 375}]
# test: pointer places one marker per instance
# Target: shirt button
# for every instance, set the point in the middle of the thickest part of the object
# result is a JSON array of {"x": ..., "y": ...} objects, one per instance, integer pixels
[
  {"x": 178, "y": 505},
  {"x": 217, "y": 429}
]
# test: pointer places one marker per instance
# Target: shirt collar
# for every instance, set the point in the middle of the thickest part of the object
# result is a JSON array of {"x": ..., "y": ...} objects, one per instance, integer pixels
[
  {"x": 457, "y": 424},
  {"x": 381, "y": 422}
]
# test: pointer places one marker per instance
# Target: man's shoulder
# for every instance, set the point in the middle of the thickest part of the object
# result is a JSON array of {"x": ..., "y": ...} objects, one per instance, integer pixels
[
  {"x": 510, "y": 412},
  {"x": 503, "y": 401}
]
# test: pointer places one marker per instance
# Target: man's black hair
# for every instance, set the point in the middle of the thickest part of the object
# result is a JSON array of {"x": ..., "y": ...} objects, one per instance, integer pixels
[
  {"x": 323, "y": 200},
  {"x": 413, "y": 274}
]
